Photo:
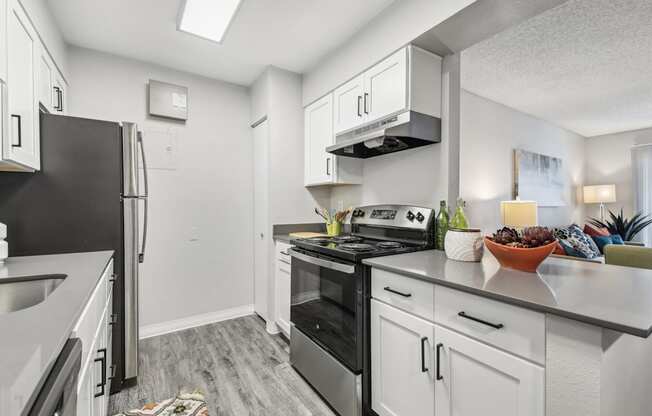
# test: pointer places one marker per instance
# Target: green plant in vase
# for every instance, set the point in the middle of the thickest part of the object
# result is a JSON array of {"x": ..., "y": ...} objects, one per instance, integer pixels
[{"x": 626, "y": 228}]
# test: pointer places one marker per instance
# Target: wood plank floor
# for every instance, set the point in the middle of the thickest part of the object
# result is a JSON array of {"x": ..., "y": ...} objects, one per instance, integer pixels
[{"x": 241, "y": 369}]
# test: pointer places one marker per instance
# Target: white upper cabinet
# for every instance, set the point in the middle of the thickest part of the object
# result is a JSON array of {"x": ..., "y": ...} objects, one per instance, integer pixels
[
  {"x": 409, "y": 79},
  {"x": 321, "y": 167},
  {"x": 318, "y": 124},
  {"x": 476, "y": 379},
  {"x": 386, "y": 87},
  {"x": 402, "y": 365},
  {"x": 46, "y": 72},
  {"x": 21, "y": 143},
  {"x": 348, "y": 104},
  {"x": 3, "y": 42}
]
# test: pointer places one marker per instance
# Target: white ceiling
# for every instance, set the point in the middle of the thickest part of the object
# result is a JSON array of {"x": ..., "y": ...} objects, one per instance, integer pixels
[
  {"x": 585, "y": 65},
  {"x": 290, "y": 34}
]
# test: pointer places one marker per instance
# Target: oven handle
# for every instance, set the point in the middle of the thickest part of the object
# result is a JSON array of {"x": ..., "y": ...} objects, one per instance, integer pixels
[{"x": 328, "y": 264}]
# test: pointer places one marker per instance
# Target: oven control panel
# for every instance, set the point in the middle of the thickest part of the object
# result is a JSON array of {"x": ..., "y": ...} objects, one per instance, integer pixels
[{"x": 401, "y": 216}]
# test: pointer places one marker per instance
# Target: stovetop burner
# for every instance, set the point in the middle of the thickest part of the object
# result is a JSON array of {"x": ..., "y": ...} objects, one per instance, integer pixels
[
  {"x": 319, "y": 240},
  {"x": 347, "y": 239},
  {"x": 357, "y": 247},
  {"x": 389, "y": 244}
]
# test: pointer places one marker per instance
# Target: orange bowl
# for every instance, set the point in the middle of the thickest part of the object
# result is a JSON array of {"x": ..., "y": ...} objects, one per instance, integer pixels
[{"x": 524, "y": 259}]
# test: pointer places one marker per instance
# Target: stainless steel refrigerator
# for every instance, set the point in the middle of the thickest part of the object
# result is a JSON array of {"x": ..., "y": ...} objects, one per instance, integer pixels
[{"x": 90, "y": 194}]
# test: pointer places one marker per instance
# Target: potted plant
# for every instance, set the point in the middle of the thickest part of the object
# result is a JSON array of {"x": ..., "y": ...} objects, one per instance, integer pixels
[
  {"x": 626, "y": 228},
  {"x": 521, "y": 250}
]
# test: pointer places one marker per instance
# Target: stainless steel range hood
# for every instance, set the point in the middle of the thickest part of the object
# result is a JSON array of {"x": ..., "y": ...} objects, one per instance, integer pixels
[{"x": 399, "y": 132}]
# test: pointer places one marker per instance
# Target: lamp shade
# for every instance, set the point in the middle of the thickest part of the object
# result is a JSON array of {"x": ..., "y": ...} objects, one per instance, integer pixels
[
  {"x": 598, "y": 194},
  {"x": 519, "y": 213}
]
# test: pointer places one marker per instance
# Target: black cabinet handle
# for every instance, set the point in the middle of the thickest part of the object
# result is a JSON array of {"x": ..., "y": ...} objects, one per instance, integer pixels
[
  {"x": 465, "y": 316},
  {"x": 439, "y": 347},
  {"x": 20, "y": 131},
  {"x": 365, "y": 103},
  {"x": 424, "y": 369},
  {"x": 114, "y": 319},
  {"x": 102, "y": 359},
  {"x": 359, "y": 102},
  {"x": 328, "y": 166},
  {"x": 60, "y": 99},
  {"x": 57, "y": 91},
  {"x": 396, "y": 292}
]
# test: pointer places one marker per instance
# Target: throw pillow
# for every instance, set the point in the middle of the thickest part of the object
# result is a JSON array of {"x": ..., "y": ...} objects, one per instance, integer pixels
[
  {"x": 617, "y": 239},
  {"x": 570, "y": 250},
  {"x": 602, "y": 241},
  {"x": 575, "y": 237},
  {"x": 594, "y": 231}
]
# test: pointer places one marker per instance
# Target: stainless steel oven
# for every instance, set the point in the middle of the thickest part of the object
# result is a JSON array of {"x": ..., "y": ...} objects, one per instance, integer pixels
[
  {"x": 326, "y": 313},
  {"x": 58, "y": 396}
]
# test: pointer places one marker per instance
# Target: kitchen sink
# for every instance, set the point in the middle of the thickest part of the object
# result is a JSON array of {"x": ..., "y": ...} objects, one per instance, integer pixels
[{"x": 18, "y": 293}]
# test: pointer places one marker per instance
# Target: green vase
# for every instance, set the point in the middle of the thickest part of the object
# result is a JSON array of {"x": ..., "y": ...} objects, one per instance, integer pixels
[
  {"x": 459, "y": 219},
  {"x": 441, "y": 225}
]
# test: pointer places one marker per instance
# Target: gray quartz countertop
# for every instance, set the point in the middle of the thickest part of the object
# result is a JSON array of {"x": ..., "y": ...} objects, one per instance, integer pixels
[
  {"x": 32, "y": 338},
  {"x": 613, "y": 297}
]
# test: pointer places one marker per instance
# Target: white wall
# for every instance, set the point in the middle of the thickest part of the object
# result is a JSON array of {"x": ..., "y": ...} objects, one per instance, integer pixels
[
  {"x": 609, "y": 161},
  {"x": 397, "y": 25},
  {"x": 42, "y": 18},
  {"x": 200, "y": 248},
  {"x": 489, "y": 134}
]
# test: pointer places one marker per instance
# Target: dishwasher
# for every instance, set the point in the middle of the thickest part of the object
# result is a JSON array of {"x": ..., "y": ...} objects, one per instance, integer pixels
[{"x": 58, "y": 396}]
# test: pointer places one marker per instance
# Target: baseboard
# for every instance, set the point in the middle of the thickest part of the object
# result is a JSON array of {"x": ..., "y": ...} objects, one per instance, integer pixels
[{"x": 154, "y": 330}]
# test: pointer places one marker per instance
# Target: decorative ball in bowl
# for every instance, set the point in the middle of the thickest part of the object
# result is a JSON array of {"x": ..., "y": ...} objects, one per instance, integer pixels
[{"x": 524, "y": 250}]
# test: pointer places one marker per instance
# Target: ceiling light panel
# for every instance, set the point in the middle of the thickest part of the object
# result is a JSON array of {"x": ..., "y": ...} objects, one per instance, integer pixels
[{"x": 208, "y": 19}]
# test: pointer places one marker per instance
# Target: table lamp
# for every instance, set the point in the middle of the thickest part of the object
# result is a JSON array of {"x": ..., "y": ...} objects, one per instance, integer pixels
[
  {"x": 600, "y": 194},
  {"x": 519, "y": 214}
]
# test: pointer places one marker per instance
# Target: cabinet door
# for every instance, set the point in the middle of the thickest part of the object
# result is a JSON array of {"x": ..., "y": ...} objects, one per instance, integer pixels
[
  {"x": 386, "y": 87},
  {"x": 85, "y": 392},
  {"x": 347, "y": 105},
  {"x": 46, "y": 94},
  {"x": 3, "y": 40},
  {"x": 480, "y": 380},
  {"x": 318, "y": 123},
  {"x": 402, "y": 373},
  {"x": 100, "y": 395},
  {"x": 22, "y": 144},
  {"x": 59, "y": 91},
  {"x": 283, "y": 295}
]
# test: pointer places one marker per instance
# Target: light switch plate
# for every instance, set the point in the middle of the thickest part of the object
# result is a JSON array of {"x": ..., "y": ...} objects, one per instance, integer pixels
[{"x": 168, "y": 100}]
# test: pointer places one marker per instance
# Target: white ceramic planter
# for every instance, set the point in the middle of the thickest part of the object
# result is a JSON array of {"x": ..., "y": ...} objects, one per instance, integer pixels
[{"x": 464, "y": 244}]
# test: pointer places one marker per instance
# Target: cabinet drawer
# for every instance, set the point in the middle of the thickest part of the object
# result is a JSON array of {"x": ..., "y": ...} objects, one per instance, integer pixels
[
  {"x": 91, "y": 318},
  {"x": 411, "y": 295},
  {"x": 513, "y": 329}
]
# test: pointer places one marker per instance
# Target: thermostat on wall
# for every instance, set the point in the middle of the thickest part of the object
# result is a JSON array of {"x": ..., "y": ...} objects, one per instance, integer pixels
[{"x": 168, "y": 100}]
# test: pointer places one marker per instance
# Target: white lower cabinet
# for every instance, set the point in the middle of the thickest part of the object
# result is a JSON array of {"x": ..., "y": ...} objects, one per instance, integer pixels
[
  {"x": 477, "y": 379},
  {"x": 93, "y": 386},
  {"x": 420, "y": 367},
  {"x": 282, "y": 276},
  {"x": 403, "y": 376}
]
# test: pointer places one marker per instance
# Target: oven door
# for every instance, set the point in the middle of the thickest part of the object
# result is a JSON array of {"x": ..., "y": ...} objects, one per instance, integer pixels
[{"x": 326, "y": 304}]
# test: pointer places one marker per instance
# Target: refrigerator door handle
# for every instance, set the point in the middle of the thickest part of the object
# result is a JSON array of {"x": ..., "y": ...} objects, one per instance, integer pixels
[
  {"x": 141, "y": 254},
  {"x": 142, "y": 155}
]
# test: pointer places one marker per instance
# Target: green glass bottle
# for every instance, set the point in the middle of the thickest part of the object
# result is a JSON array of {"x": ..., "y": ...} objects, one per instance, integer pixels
[
  {"x": 459, "y": 219},
  {"x": 441, "y": 225}
]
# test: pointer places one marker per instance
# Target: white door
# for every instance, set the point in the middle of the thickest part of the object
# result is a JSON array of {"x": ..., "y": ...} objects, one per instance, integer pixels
[
  {"x": 22, "y": 144},
  {"x": 261, "y": 219},
  {"x": 480, "y": 380},
  {"x": 318, "y": 123},
  {"x": 386, "y": 87},
  {"x": 45, "y": 87},
  {"x": 402, "y": 373},
  {"x": 347, "y": 105}
]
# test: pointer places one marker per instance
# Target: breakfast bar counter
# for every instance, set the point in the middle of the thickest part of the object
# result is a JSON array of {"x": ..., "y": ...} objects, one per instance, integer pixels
[{"x": 611, "y": 297}]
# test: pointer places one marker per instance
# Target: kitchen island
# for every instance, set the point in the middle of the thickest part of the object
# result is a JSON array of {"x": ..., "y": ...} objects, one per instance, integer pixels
[
  {"x": 32, "y": 338},
  {"x": 575, "y": 335}
]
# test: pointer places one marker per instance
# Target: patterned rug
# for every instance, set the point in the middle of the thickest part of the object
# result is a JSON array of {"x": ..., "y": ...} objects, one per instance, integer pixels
[{"x": 189, "y": 404}]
